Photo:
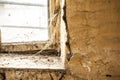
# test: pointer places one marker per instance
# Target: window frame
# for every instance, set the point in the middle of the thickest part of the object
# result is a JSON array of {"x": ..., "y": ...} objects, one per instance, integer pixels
[
  {"x": 29, "y": 61},
  {"x": 28, "y": 46}
]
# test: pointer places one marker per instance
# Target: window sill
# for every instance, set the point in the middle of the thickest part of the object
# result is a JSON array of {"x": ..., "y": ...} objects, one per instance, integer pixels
[{"x": 21, "y": 61}]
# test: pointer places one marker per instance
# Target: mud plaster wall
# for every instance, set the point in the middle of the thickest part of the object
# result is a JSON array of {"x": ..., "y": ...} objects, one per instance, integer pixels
[{"x": 94, "y": 28}]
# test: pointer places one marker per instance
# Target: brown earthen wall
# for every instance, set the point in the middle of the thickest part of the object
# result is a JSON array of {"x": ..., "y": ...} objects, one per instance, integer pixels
[{"x": 94, "y": 28}]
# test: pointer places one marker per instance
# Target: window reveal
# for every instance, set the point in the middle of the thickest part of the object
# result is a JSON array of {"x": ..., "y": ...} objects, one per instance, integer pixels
[{"x": 40, "y": 62}]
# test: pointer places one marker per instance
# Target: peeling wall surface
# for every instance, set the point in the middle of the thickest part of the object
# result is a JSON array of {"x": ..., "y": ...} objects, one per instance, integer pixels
[{"x": 94, "y": 37}]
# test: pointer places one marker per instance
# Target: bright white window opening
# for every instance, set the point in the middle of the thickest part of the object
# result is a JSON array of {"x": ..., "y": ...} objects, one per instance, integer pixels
[{"x": 24, "y": 20}]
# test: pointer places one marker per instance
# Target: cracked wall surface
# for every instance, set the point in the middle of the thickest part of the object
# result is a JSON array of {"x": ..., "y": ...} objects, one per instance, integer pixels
[{"x": 94, "y": 31}]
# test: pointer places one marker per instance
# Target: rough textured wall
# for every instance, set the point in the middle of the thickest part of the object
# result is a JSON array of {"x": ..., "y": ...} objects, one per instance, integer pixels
[{"x": 94, "y": 27}]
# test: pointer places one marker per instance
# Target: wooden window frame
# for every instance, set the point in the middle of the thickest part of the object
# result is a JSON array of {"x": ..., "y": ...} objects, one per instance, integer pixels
[{"x": 28, "y": 46}]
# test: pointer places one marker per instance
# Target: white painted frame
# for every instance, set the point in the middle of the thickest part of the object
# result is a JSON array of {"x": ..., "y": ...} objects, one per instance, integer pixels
[{"x": 38, "y": 62}]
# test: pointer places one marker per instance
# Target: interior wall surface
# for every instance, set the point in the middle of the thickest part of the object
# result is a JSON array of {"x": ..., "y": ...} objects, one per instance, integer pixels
[{"x": 94, "y": 37}]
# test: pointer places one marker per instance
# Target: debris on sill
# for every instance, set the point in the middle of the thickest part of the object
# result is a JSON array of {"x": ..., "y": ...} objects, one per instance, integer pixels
[{"x": 48, "y": 52}]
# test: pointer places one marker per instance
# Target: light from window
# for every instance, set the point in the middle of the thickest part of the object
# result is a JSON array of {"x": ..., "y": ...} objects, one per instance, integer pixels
[{"x": 24, "y": 20}]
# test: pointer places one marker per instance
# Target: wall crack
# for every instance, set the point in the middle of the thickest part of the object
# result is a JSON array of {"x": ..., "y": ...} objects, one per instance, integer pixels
[{"x": 70, "y": 54}]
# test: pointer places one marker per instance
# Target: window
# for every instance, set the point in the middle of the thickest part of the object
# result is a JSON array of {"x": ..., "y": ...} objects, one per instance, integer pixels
[
  {"x": 23, "y": 22},
  {"x": 38, "y": 28},
  {"x": 20, "y": 20}
]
